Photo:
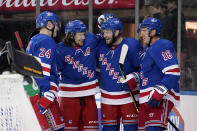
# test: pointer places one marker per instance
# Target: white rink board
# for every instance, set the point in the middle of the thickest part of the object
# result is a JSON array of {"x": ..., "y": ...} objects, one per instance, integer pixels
[
  {"x": 188, "y": 111},
  {"x": 16, "y": 112}
]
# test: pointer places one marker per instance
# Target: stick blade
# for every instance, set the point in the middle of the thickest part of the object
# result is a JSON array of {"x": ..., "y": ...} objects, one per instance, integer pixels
[{"x": 123, "y": 53}]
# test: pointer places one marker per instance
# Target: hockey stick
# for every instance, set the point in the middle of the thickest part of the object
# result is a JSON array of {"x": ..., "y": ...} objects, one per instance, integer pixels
[
  {"x": 121, "y": 66},
  {"x": 21, "y": 47},
  {"x": 173, "y": 125},
  {"x": 19, "y": 41},
  {"x": 24, "y": 63}
]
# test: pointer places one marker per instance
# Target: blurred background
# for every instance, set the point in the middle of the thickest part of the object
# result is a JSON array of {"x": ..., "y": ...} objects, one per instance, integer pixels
[{"x": 178, "y": 17}]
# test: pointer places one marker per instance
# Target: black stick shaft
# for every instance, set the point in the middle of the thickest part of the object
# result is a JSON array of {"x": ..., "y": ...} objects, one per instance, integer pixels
[
  {"x": 173, "y": 125},
  {"x": 131, "y": 92}
]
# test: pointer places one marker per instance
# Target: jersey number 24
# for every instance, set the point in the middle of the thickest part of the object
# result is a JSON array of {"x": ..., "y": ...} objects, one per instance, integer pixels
[{"x": 45, "y": 53}]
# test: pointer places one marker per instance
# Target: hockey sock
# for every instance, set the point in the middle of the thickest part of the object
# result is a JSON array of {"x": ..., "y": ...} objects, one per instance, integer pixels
[
  {"x": 111, "y": 128},
  {"x": 130, "y": 127},
  {"x": 154, "y": 128}
]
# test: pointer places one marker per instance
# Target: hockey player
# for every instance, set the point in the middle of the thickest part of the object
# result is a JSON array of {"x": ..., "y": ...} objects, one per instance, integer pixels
[
  {"x": 160, "y": 74},
  {"x": 116, "y": 102},
  {"x": 76, "y": 62},
  {"x": 43, "y": 46}
]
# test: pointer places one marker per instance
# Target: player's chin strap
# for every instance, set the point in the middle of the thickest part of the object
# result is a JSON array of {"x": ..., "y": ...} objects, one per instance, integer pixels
[
  {"x": 52, "y": 30},
  {"x": 59, "y": 26},
  {"x": 150, "y": 40}
]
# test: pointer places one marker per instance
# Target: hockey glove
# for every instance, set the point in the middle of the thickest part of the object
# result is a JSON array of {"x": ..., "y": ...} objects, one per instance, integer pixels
[
  {"x": 46, "y": 100},
  {"x": 156, "y": 95},
  {"x": 132, "y": 80}
]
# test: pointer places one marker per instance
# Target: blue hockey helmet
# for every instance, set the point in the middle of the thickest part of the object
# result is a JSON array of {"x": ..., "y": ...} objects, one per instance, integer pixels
[
  {"x": 151, "y": 24},
  {"x": 75, "y": 26},
  {"x": 102, "y": 18},
  {"x": 44, "y": 17},
  {"x": 112, "y": 24}
]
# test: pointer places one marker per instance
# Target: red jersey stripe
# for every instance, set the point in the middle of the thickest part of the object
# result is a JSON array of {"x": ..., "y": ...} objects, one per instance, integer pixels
[
  {"x": 174, "y": 70},
  {"x": 78, "y": 88},
  {"x": 115, "y": 96},
  {"x": 45, "y": 69}
]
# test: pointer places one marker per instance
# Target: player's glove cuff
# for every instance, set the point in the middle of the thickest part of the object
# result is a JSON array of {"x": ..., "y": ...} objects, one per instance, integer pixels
[
  {"x": 158, "y": 92},
  {"x": 50, "y": 95},
  {"x": 161, "y": 89},
  {"x": 131, "y": 76},
  {"x": 47, "y": 98},
  {"x": 132, "y": 80}
]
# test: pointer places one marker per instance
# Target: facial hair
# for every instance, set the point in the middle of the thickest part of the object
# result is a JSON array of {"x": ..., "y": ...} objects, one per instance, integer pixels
[
  {"x": 77, "y": 44},
  {"x": 114, "y": 39}
]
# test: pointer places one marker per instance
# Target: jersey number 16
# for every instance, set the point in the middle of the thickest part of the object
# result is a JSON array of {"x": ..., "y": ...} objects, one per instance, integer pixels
[{"x": 167, "y": 55}]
